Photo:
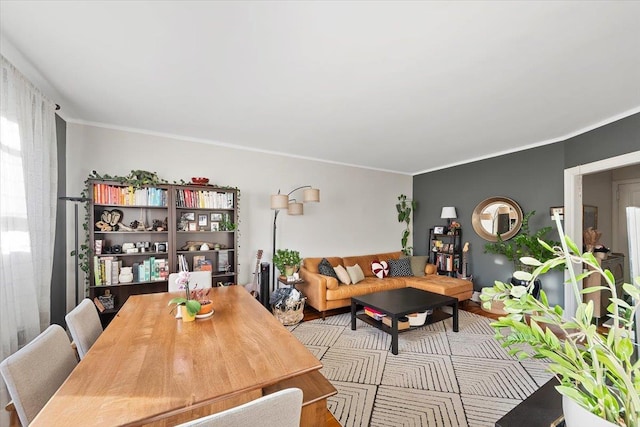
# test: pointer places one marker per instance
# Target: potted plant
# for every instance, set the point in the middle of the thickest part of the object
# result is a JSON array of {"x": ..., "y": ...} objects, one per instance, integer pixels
[
  {"x": 599, "y": 375},
  {"x": 189, "y": 306},
  {"x": 404, "y": 208},
  {"x": 287, "y": 261},
  {"x": 523, "y": 244}
]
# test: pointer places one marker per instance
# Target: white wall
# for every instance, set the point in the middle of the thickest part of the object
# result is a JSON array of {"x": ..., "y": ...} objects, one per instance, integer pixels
[{"x": 356, "y": 214}]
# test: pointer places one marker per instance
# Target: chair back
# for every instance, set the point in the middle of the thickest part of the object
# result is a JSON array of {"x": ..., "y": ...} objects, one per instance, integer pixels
[
  {"x": 201, "y": 278},
  {"x": 37, "y": 370},
  {"x": 280, "y": 409},
  {"x": 85, "y": 326}
]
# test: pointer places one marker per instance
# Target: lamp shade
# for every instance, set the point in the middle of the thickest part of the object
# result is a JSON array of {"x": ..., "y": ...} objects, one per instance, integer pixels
[
  {"x": 311, "y": 195},
  {"x": 448, "y": 212},
  {"x": 296, "y": 208},
  {"x": 279, "y": 201}
]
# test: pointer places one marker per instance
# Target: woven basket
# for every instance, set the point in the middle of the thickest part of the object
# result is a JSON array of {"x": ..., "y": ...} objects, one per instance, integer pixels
[{"x": 290, "y": 314}]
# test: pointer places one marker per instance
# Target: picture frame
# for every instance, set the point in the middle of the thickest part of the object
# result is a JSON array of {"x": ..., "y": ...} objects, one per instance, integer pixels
[
  {"x": 192, "y": 226},
  {"x": 216, "y": 217},
  {"x": 215, "y": 226},
  {"x": 589, "y": 217},
  {"x": 188, "y": 216},
  {"x": 202, "y": 220},
  {"x": 559, "y": 210},
  {"x": 438, "y": 230}
]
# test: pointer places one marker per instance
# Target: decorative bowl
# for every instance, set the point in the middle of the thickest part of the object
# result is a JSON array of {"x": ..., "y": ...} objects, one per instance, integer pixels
[{"x": 200, "y": 180}]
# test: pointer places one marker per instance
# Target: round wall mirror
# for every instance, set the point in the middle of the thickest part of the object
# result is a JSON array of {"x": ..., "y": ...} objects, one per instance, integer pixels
[{"x": 497, "y": 215}]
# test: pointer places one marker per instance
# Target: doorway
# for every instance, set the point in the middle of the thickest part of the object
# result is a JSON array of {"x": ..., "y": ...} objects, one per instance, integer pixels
[
  {"x": 573, "y": 206},
  {"x": 625, "y": 193}
]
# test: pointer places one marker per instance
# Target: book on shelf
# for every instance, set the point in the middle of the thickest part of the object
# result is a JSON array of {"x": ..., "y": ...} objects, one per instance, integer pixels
[
  {"x": 161, "y": 269},
  {"x": 205, "y": 265},
  {"x": 223, "y": 261}
]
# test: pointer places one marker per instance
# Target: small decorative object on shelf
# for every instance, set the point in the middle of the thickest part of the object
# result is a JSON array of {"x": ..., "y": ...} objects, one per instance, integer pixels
[
  {"x": 107, "y": 300},
  {"x": 200, "y": 180},
  {"x": 454, "y": 227}
]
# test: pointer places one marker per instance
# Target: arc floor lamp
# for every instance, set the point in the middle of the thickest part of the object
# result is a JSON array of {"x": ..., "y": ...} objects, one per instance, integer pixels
[{"x": 293, "y": 207}]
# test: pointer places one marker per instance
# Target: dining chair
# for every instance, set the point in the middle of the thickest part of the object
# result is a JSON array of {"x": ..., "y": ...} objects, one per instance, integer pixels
[
  {"x": 85, "y": 326},
  {"x": 201, "y": 278},
  {"x": 37, "y": 370},
  {"x": 280, "y": 409}
]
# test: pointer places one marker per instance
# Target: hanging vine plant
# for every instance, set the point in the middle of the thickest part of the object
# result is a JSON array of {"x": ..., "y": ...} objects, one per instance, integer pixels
[
  {"x": 136, "y": 179},
  {"x": 404, "y": 208}
]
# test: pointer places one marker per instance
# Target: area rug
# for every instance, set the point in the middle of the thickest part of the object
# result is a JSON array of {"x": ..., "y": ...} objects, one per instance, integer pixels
[{"x": 438, "y": 378}]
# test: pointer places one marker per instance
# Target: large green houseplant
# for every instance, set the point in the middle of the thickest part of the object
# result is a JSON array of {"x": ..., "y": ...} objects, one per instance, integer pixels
[
  {"x": 599, "y": 373},
  {"x": 524, "y": 244}
]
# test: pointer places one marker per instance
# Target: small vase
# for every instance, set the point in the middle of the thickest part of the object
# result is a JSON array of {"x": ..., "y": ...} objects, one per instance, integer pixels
[
  {"x": 289, "y": 270},
  {"x": 186, "y": 317},
  {"x": 126, "y": 275}
]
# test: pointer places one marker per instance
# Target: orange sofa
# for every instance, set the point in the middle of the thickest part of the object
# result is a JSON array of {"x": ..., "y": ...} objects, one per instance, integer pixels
[{"x": 325, "y": 293}]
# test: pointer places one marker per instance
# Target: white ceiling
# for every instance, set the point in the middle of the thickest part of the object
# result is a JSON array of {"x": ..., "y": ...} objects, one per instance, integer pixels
[{"x": 398, "y": 86}]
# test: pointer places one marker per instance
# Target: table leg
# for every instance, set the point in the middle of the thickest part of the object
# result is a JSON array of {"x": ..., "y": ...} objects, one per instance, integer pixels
[
  {"x": 394, "y": 335},
  {"x": 353, "y": 315},
  {"x": 455, "y": 317}
]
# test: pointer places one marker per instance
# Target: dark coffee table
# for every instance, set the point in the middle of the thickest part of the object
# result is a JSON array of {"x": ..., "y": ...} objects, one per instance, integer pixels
[{"x": 400, "y": 302}]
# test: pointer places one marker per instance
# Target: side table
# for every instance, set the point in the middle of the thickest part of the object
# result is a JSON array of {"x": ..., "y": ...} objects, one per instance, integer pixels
[
  {"x": 283, "y": 280},
  {"x": 542, "y": 408}
]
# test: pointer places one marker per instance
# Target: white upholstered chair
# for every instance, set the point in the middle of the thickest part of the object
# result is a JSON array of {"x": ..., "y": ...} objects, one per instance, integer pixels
[
  {"x": 280, "y": 409},
  {"x": 37, "y": 370},
  {"x": 201, "y": 278},
  {"x": 85, "y": 326}
]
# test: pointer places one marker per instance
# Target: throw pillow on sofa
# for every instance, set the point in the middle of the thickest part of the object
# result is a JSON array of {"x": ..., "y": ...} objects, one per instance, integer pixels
[
  {"x": 326, "y": 269},
  {"x": 342, "y": 274},
  {"x": 400, "y": 267},
  {"x": 355, "y": 273},
  {"x": 380, "y": 269},
  {"x": 418, "y": 263}
]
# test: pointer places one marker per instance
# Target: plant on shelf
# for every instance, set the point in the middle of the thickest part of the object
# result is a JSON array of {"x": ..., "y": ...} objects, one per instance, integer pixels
[
  {"x": 404, "y": 208},
  {"x": 599, "y": 373},
  {"x": 284, "y": 258},
  {"x": 189, "y": 300},
  {"x": 523, "y": 244}
]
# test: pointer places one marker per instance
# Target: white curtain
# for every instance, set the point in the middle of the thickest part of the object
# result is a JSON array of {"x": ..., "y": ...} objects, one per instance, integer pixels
[{"x": 28, "y": 188}]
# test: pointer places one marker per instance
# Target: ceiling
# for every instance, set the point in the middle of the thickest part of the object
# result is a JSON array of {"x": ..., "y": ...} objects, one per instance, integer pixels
[{"x": 399, "y": 86}]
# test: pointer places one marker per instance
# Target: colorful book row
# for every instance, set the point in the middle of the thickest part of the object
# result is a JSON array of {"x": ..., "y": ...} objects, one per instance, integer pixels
[
  {"x": 186, "y": 198},
  {"x": 129, "y": 196},
  {"x": 106, "y": 270}
]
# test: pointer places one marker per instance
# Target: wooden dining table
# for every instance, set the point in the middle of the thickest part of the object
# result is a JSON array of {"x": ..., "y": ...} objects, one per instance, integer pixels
[{"x": 149, "y": 368}]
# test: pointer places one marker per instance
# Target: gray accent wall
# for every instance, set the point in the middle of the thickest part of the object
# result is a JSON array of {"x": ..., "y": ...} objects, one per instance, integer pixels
[
  {"x": 59, "y": 274},
  {"x": 534, "y": 178},
  {"x": 617, "y": 138}
]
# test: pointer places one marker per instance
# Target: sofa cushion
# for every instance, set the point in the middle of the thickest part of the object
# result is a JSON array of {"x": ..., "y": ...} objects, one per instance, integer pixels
[
  {"x": 364, "y": 261},
  {"x": 380, "y": 269},
  {"x": 400, "y": 267},
  {"x": 311, "y": 264},
  {"x": 418, "y": 263},
  {"x": 443, "y": 285},
  {"x": 326, "y": 269},
  {"x": 355, "y": 273},
  {"x": 342, "y": 274},
  {"x": 367, "y": 286},
  {"x": 430, "y": 269}
]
